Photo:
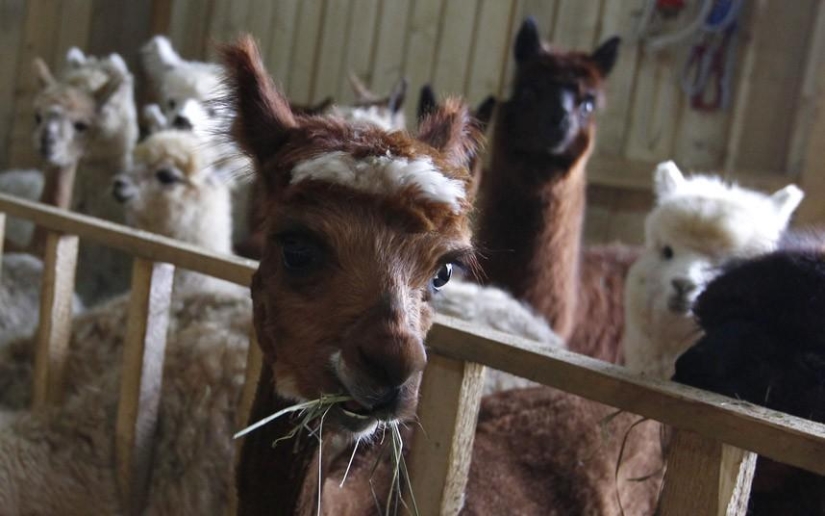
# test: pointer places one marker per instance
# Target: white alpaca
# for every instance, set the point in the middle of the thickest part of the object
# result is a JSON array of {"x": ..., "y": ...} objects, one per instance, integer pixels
[
  {"x": 698, "y": 224},
  {"x": 387, "y": 112}
]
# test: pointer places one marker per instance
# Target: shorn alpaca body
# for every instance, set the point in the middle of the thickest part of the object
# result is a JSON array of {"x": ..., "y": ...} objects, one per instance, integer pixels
[
  {"x": 699, "y": 223},
  {"x": 532, "y": 198},
  {"x": 763, "y": 342},
  {"x": 365, "y": 227}
]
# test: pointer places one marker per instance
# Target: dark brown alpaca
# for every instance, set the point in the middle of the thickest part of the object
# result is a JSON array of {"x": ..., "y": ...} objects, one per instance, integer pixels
[{"x": 532, "y": 199}]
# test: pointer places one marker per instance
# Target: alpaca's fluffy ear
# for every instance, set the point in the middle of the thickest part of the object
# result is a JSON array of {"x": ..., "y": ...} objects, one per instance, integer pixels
[
  {"x": 450, "y": 130},
  {"x": 362, "y": 93},
  {"x": 153, "y": 118},
  {"x": 484, "y": 112},
  {"x": 42, "y": 73},
  {"x": 667, "y": 178},
  {"x": 118, "y": 63},
  {"x": 786, "y": 200},
  {"x": 528, "y": 41},
  {"x": 104, "y": 94},
  {"x": 427, "y": 102},
  {"x": 263, "y": 118},
  {"x": 606, "y": 55},
  {"x": 396, "y": 99},
  {"x": 75, "y": 57}
]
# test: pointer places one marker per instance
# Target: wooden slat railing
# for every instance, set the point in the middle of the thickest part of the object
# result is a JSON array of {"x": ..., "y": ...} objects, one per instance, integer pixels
[{"x": 710, "y": 431}]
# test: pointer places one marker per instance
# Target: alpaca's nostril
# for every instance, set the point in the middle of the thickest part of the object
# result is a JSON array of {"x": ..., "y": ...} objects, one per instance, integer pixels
[
  {"x": 386, "y": 401},
  {"x": 182, "y": 123},
  {"x": 683, "y": 285}
]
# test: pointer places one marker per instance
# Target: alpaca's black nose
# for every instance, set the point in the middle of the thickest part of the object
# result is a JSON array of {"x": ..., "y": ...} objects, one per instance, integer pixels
[
  {"x": 683, "y": 286},
  {"x": 182, "y": 123},
  {"x": 387, "y": 400}
]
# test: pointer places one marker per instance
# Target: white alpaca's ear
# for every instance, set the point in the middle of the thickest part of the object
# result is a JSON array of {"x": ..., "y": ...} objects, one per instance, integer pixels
[
  {"x": 667, "y": 178},
  {"x": 158, "y": 55},
  {"x": 154, "y": 118},
  {"x": 118, "y": 63},
  {"x": 785, "y": 201},
  {"x": 75, "y": 57},
  {"x": 42, "y": 73}
]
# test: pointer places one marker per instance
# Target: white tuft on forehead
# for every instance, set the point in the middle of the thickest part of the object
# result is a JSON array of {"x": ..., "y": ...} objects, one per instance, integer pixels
[{"x": 382, "y": 175}]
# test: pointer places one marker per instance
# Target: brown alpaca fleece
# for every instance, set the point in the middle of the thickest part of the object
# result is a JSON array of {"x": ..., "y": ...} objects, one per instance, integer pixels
[
  {"x": 546, "y": 452},
  {"x": 537, "y": 451}
]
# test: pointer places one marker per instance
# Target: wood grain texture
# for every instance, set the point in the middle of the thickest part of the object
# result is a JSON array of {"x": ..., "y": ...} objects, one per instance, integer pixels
[
  {"x": 706, "y": 478},
  {"x": 144, "y": 349},
  {"x": 55, "y": 326},
  {"x": 441, "y": 452},
  {"x": 141, "y": 244},
  {"x": 12, "y": 18}
]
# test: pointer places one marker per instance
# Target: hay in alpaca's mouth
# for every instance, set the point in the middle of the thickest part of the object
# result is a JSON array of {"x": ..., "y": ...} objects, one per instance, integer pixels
[{"x": 310, "y": 412}]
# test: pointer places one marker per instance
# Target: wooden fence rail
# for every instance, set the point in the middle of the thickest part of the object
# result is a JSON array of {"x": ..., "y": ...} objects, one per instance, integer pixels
[{"x": 711, "y": 432}]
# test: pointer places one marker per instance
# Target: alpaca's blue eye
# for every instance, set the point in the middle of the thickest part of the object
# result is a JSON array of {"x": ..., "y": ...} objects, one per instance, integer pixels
[
  {"x": 442, "y": 276},
  {"x": 588, "y": 105},
  {"x": 667, "y": 252}
]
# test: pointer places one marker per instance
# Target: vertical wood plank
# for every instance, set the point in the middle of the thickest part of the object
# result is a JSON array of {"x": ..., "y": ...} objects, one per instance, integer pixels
[
  {"x": 813, "y": 85},
  {"x": 422, "y": 38},
  {"x": 74, "y": 27},
  {"x": 310, "y": 19},
  {"x": 282, "y": 31},
  {"x": 140, "y": 387},
  {"x": 39, "y": 39},
  {"x": 254, "y": 362},
  {"x": 813, "y": 175},
  {"x": 774, "y": 84},
  {"x": 361, "y": 31},
  {"x": 329, "y": 64},
  {"x": 454, "y": 46},
  {"x": 2, "y": 241},
  {"x": 656, "y": 105},
  {"x": 618, "y": 19},
  {"x": 189, "y": 27},
  {"x": 491, "y": 46},
  {"x": 705, "y": 478},
  {"x": 258, "y": 19},
  {"x": 439, "y": 460},
  {"x": 577, "y": 24},
  {"x": 55, "y": 326},
  {"x": 388, "y": 60},
  {"x": 12, "y": 20}
]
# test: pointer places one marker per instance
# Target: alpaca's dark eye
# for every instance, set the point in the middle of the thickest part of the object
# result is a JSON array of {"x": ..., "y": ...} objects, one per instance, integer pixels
[
  {"x": 442, "y": 276},
  {"x": 588, "y": 104},
  {"x": 171, "y": 103},
  {"x": 37, "y": 118},
  {"x": 300, "y": 255},
  {"x": 81, "y": 127},
  {"x": 166, "y": 176},
  {"x": 667, "y": 252}
]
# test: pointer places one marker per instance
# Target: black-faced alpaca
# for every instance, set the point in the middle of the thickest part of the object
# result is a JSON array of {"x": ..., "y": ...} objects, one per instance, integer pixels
[
  {"x": 364, "y": 226},
  {"x": 532, "y": 199},
  {"x": 764, "y": 342},
  {"x": 428, "y": 103}
]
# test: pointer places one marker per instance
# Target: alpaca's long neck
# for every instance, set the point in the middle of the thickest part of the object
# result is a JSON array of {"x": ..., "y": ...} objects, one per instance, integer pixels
[
  {"x": 275, "y": 480},
  {"x": 530, "y": 226}
]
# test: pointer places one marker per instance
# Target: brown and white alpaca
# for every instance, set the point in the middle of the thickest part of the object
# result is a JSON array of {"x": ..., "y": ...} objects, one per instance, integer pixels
[
  {"x": 365, "y": 227},
  {"x": 532, "y": 198}
]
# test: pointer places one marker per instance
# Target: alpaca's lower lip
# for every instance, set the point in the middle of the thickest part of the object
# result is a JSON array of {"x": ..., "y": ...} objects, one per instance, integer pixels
[{"x": 352, "y": 421}]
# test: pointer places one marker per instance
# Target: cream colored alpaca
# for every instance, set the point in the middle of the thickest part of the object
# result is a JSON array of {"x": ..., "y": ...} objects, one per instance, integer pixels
[{"x": 698, "y": 224}]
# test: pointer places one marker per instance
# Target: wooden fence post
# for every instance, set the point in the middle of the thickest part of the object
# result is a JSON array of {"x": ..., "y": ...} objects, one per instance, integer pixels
[
  {"x": 2, "y": 239},
  {"x": 143, "y": 357},
  {"x": 705, "y": 477},
  {"x": 441, "y": 451},
  {"x": 55, "y": 326}
]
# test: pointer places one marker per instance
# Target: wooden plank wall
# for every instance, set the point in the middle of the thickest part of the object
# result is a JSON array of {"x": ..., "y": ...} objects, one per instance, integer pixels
[{"x": 464, "y": 47}]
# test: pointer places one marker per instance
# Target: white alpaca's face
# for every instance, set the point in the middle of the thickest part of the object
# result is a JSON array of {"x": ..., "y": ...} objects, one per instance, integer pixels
[
  {"x": 63, "y": 122},
  {"x": 187, "y": 93}
]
